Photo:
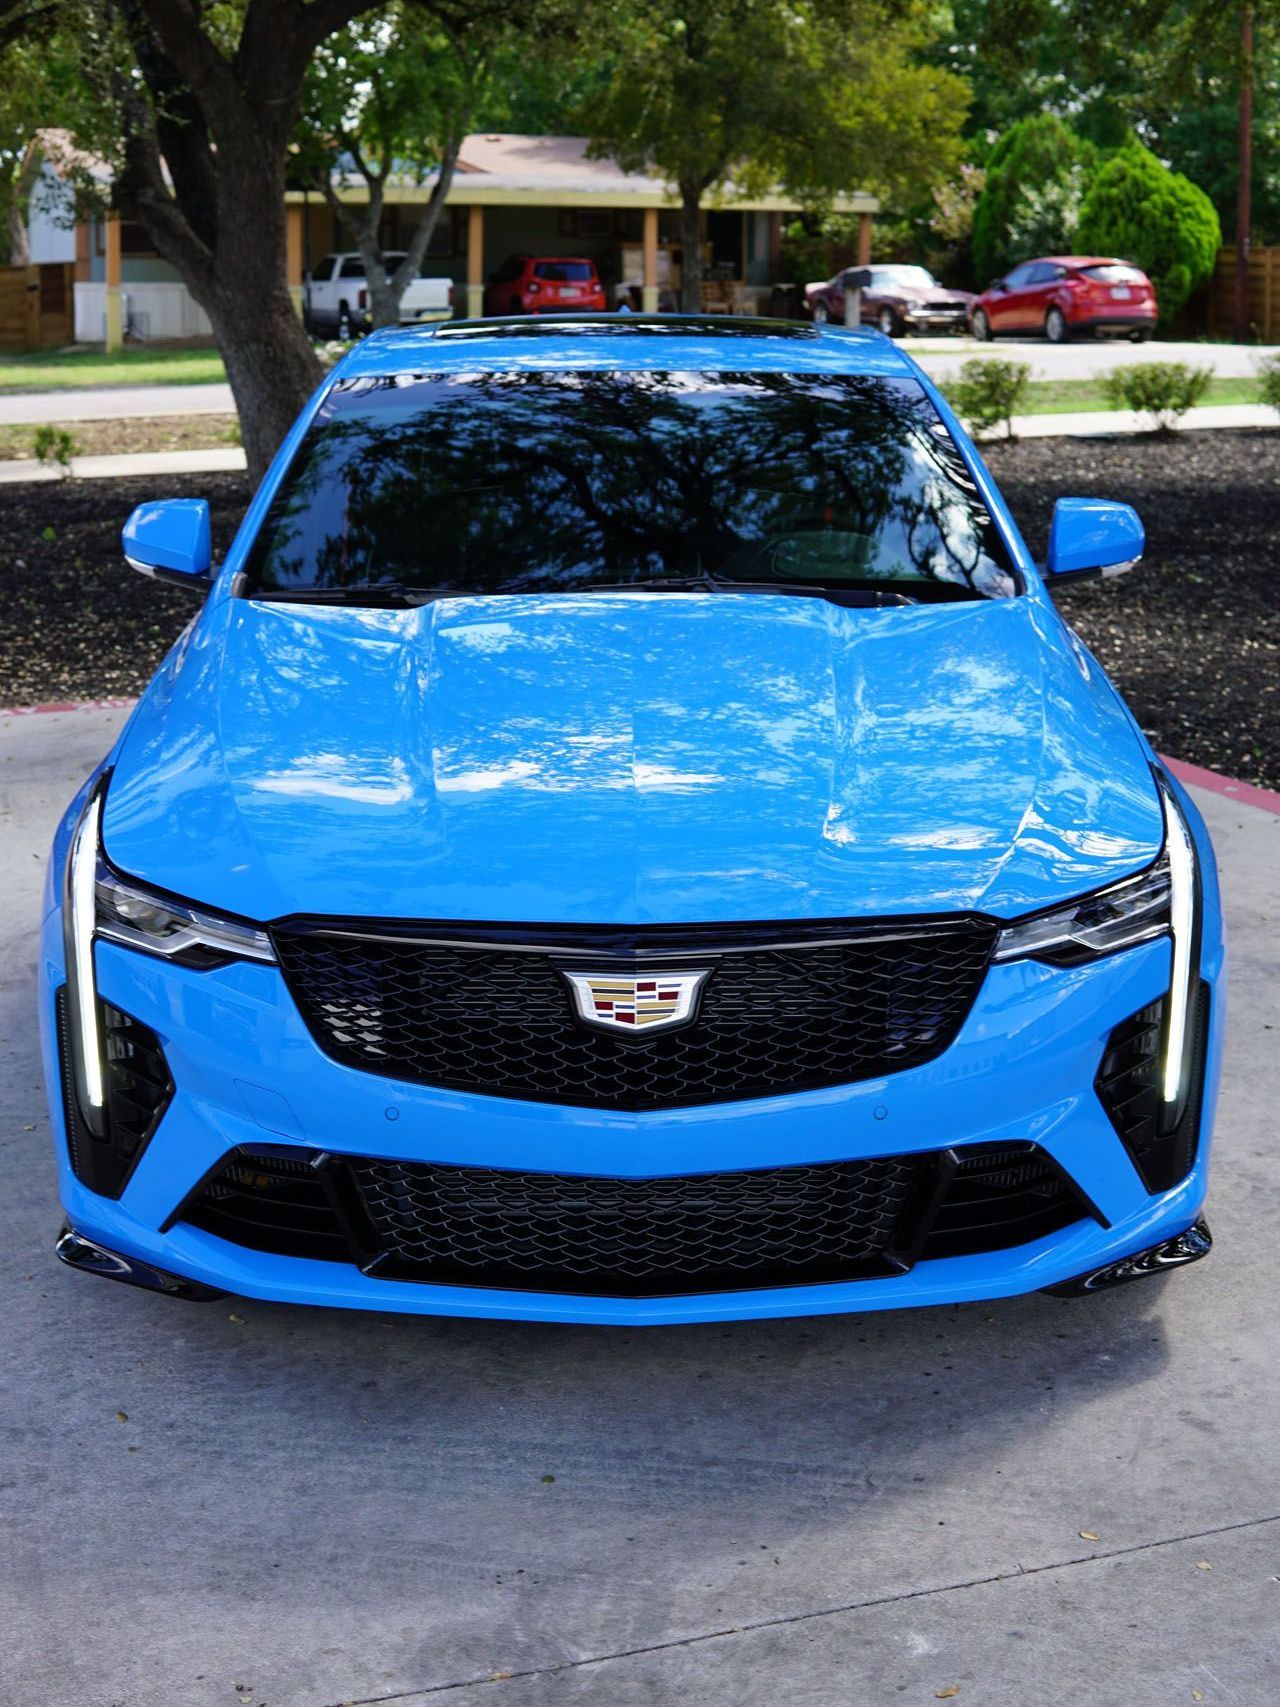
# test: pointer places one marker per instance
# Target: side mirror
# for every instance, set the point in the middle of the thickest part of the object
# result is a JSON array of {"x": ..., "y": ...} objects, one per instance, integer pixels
[
  {"x": 1090, "y": 536},
  {"x": 169, "y": 538}
]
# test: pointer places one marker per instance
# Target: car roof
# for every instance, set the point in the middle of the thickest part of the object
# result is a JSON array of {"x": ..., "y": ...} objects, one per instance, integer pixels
[
  {"x": 723, "y": 343},
  {"x": 1086, "y": 261}
]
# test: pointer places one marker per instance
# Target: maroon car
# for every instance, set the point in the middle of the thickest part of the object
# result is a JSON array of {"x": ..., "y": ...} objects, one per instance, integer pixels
[
  {"x": 1061, "y": 295},
  {"x": 896, "y": 298}
]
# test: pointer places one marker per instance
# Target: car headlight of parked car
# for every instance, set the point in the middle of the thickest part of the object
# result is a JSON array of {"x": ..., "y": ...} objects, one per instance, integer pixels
[
  {"x": 101, "y": 904},
  {"x": 1161, "y": 901}
]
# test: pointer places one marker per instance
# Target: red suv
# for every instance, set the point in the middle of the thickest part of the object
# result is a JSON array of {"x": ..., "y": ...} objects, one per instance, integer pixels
[
  {"x": 1065, "y": 294},
  {"x": 534, "y": 284}
]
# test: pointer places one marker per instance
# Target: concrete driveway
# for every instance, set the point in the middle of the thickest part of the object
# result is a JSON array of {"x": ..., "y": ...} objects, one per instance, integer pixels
[{"x": 226, "y": 1503}]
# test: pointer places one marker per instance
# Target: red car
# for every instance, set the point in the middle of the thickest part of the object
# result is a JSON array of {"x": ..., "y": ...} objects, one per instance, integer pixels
[
  {"x": 1061, "y": 295},
  {"x": 895, "y": 297},
  {"x": 534, "y": 284}
]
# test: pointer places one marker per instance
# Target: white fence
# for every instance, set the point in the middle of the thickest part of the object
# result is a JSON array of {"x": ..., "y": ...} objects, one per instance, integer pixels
[{"x": 150, "y": 311}]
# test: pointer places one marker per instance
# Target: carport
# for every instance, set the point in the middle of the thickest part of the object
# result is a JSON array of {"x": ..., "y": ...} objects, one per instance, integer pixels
[{"x": 543, "y": 195}]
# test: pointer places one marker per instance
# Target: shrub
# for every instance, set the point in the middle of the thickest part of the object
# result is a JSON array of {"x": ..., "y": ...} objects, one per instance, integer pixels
[
  {"x": 988, "y": 392},
  {"x": 1162, "y": 390},
  {"x": 54, "y": 444},
  {"x": 1269, "y": 381},
  {"x": 1159, "y": 220},
  {"x": 1036, "y": 177}
]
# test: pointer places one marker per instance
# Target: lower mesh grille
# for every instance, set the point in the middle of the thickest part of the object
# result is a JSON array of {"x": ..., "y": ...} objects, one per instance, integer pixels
[{"x": 599, "y": 1235}]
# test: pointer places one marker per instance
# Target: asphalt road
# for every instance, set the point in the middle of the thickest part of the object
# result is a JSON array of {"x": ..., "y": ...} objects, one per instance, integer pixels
[
  {"x": 239, "y": 1502},
  {"x": 941, "y": 357}
]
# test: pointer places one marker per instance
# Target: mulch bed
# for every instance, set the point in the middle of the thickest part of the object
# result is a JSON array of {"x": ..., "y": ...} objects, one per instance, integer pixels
[{"x": 1192, "y": 638}]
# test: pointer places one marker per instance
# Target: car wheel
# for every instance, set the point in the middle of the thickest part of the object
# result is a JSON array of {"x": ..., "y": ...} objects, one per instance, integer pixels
[
  {"x": 981, "y": 326},
  {"x": 1140, "y": 337},
  {"x": 345, "y": 328},
  {"x": 1055, "y": 326},
  {"x": 888, "y": 323},
  {"x": 821, "y": 313}
]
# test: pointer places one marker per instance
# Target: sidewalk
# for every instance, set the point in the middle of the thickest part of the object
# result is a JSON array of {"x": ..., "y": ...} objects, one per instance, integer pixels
[
  {"x": 114, "y": 403},
  {"x": 1102, "y": 423}
]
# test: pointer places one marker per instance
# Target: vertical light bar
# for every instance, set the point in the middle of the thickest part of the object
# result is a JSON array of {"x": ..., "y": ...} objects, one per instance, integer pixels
[
  {"x": 82, "y": 879},
  {"x": 1182, "y": 916}
]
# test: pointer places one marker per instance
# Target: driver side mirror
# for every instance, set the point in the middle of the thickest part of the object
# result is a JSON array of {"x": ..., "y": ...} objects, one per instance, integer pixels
[
  {"x": 1093, "y": 537},
  {"x": 170, "y": 539}
]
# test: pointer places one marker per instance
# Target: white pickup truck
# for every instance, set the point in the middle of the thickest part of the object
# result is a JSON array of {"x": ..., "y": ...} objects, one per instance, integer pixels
[{"x": 335, "y": 296}]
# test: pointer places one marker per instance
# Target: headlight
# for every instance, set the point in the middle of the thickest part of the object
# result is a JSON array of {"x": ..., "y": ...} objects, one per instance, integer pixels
[
  {"x": 1098, "y": 924},
  {"x": 190, "y": 936},
  {"x": 98, "y": 902},
  {"x": 1161, "y": 901}
]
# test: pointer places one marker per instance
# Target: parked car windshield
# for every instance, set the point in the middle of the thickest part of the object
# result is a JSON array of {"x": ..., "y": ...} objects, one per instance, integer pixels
[
  {"x": 910, "y": 278},
  {"x": 542, "y": 481}
]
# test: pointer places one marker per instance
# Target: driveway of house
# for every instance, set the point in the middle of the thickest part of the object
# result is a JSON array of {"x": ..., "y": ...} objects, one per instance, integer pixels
[{"x": 1041, "y": 1500}]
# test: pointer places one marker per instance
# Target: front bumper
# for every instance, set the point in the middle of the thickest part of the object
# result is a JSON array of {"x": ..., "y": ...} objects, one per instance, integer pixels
[{"x": 247, "y": 1073}]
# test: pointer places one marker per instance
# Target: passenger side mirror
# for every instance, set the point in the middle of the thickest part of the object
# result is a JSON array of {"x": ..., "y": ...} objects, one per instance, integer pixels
[
  {"x": 170, "y": 539},
  {"x": 1091, "y": 536}
]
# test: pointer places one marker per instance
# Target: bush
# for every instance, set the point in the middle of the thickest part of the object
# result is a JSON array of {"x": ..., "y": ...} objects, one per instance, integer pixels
[
  {"x": 988, "y": 392},
  {"x": 1163, "y": 390},
  {"x": 1036, "y": 177},
  {"x": 1269, "y": 381},
  {"x": 54, "y": 444},
  {"x": 1137, "y": 208}
]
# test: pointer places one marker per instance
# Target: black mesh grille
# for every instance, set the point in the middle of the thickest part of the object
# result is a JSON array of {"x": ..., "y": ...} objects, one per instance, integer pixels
[
  {"x": 544, "y": 1232},
  {"x": 137, "y": 1089},
  {"x": 772, "y": 1020},
  {"x": 703, "y": 1232},
  {"x": 1128, "y": 1086}
]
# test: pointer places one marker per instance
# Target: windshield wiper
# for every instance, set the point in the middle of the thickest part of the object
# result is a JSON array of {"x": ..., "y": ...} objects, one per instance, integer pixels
[
  {"x": 388, "y": 595},
  {"x": 845, "y": 595}
]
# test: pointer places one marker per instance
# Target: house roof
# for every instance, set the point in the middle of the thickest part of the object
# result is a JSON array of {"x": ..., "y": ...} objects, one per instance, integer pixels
[{"x": 506, "y": 168}]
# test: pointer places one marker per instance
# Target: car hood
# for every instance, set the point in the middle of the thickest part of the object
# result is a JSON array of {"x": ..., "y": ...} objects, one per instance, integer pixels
[
  {"x": 935, "y": 297},
  {"x": 629, "y": 758}
]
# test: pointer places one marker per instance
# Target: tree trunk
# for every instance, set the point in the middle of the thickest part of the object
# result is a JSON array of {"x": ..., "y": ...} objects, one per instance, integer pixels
[
  {"x": 1244, "y": 177},
  {"x": 270, "y": 363},
  {"x": 16, "y": 227},
  {"x": 691, "y": 248}
]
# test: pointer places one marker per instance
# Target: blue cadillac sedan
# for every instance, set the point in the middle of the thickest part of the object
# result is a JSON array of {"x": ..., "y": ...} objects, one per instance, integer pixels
[{"x": 629, "y": 838}]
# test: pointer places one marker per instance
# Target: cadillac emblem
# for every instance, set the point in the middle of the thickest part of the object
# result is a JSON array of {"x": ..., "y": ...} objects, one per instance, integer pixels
[{"x": 635, "y": 1003}]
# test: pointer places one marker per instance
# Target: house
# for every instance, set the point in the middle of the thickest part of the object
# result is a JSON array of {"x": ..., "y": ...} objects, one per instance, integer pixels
[{"x": 511, "y": 194}]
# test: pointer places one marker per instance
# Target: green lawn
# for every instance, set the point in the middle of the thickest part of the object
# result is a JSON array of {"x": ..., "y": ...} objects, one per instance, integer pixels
[
  {"x": 1064, "y": 396},
  {"x": 52, "y": 370}
]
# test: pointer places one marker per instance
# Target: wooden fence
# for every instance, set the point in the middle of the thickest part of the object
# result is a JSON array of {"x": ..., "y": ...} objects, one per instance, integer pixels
[
  {"x": 1264, "y": 295},
  {"x": 37, "y": 306}
]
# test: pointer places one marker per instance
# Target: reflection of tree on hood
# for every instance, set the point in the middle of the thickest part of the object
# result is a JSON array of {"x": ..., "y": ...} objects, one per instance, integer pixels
[{"x": 526, "y": 481}]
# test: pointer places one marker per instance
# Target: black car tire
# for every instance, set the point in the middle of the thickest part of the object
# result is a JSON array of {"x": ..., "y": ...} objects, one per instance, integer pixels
[
  {"x": 1140, "y": 337},
  {"x": 981, "y": 326},
  {"x": 1055, "y": 326},
  {"x": 888, "y": 323},
  {"x": 345, "y": 328}
]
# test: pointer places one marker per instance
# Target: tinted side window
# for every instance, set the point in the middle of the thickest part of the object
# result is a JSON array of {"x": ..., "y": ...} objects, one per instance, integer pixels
[
  {"x": 1018, "y": 277},
  {"x": 323, "y": 270},
  {"x": 352, "y": 268}
]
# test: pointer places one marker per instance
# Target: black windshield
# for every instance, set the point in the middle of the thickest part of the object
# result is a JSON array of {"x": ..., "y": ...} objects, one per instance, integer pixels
[{"x": 529, "y": 481}]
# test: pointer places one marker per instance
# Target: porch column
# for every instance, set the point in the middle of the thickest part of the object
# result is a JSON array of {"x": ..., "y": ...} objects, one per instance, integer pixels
[
  {"x": 293, "y": 253},
  {"x": 475, "y": 261},
  {"x": 115, "y": 306},
  {"x": 864, "y": 239},
  {"x": 649, "y": 290}
]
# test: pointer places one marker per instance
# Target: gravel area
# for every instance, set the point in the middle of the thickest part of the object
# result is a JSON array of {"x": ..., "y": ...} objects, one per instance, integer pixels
[{"x": 1192, "y": 638}]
